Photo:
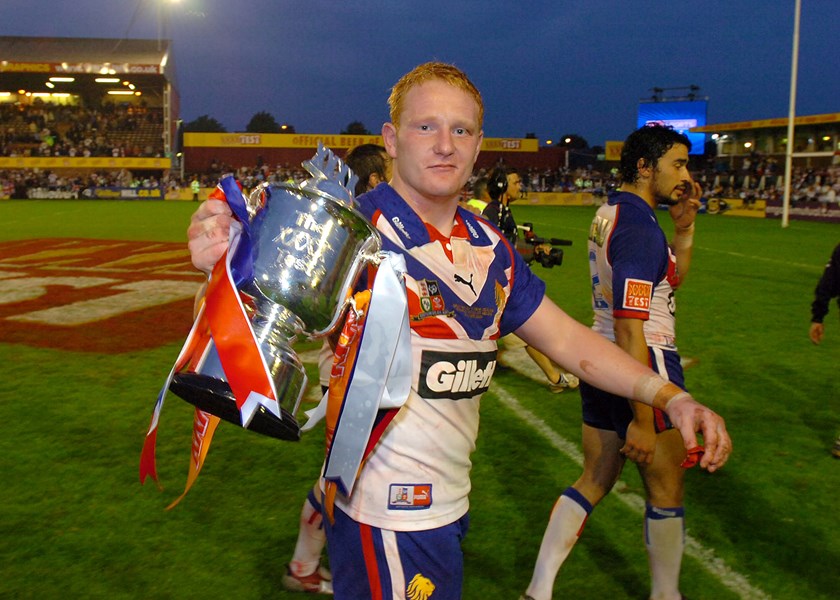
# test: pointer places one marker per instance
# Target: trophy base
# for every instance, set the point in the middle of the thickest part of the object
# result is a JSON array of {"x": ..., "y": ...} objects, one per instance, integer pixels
[{"x": 214, "y": 396}]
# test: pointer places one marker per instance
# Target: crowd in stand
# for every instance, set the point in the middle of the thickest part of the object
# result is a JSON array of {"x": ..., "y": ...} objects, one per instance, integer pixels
[
  {"x": 123, "y": 130},
  {"x": 48, "y": 129},
  {"x": 23, "y": 183},
  {"x": 759, "y": 180},
  {"x": 809, "y": 185},
  {"x": 762, "y": 179},
  {"x": 253, "y": 175}
]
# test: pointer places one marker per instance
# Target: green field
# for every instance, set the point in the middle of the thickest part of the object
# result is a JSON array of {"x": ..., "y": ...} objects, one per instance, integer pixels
[{"x": 76, "y": 523}]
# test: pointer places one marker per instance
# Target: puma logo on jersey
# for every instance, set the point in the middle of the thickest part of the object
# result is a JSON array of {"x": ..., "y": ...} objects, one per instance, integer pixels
[
  {"x": 460, "y": 279},
  {"x": 455, "y": 376},
  {"x": 410, "y": 496}
]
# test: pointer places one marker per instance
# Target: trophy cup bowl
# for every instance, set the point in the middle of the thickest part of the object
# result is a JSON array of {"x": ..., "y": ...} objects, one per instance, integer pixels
[{"x": 308, "y": 248}]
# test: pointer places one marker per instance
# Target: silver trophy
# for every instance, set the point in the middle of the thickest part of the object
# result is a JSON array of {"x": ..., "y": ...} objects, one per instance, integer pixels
[{"x": 307, "y": 249}]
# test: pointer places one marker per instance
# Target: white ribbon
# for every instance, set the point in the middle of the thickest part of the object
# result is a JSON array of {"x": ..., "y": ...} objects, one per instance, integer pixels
[{"x": 381, "y": 377}]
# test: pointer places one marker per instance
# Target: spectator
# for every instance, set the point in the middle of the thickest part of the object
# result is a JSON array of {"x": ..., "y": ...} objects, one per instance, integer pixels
[{"x": 827, "y": 288}]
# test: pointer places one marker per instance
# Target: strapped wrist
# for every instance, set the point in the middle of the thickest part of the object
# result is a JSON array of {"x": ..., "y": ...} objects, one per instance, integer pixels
[
  {"x": 681, "y": 394},
  {"x": 656, "y": 391},
  {"x": 684, "y": 237}
]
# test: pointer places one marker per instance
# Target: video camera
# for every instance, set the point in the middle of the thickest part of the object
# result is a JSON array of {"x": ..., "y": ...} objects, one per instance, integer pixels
[{"x": 542, "y": 250}]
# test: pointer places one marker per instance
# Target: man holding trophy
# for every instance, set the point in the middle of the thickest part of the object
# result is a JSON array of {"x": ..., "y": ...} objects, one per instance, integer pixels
[{"x": 395, "y": 531}]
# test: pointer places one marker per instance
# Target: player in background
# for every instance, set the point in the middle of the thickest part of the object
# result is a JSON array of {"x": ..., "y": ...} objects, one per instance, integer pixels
[
  {"x": 827, "y": 288},
  {"x": 634, "y": 274},
  {"x": 480, "y": 198}
]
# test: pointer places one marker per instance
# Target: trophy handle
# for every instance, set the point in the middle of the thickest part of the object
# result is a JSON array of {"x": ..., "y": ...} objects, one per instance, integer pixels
[{"x": 255, "y": 201}]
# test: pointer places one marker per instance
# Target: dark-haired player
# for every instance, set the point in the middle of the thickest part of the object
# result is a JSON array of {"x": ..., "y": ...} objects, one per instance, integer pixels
[{"x": 634, "y": 274}]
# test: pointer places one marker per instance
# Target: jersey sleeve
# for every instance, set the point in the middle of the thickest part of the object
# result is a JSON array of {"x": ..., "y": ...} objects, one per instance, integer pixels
[
  {"x": 526, "y": 294},
  {"x": 635, "y": 253}
]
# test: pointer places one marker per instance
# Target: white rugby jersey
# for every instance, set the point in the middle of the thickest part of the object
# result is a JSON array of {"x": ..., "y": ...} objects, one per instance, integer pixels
[
  {"x": 634, "y": 273},
  {"x": 463, "y": 294}
]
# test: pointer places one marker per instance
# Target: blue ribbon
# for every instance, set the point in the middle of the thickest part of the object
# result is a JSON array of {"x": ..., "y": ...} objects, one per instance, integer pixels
[{"x": 242, "y": 261}]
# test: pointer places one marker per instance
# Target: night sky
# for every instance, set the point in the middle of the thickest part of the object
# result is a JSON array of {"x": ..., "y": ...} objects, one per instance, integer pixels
[{"x": 550, "y": 68}]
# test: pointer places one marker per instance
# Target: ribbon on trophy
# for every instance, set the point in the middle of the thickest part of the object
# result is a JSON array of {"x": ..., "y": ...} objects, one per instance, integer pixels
[
  {"x": 223, "y": 321},
  {"x": 371, "y": 372},
  {"x": 296, "y": 254},
  {"x": 197, "y": 341}
]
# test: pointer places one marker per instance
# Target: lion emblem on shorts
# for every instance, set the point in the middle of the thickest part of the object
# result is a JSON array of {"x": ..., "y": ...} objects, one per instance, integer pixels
[{"x": 420, "y": 588}]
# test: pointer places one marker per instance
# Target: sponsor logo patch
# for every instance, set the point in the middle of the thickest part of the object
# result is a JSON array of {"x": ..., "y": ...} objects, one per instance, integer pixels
[
  {"x": 637, "y": 293},
  {"x": 410, "y": 496},
  {"x": 444, "y": 375}
]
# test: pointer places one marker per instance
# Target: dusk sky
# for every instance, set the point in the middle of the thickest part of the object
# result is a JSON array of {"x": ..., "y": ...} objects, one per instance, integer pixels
[{"x": 550, "y": 68}]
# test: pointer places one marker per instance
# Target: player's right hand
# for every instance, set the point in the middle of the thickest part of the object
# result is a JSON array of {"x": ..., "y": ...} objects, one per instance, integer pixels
[
  {"x": 209, "y": 233},
  {"x": 691, "y": 417}
]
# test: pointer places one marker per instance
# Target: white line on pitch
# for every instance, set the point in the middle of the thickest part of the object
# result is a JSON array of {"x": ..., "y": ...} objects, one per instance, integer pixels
[
  {"x": 693, "y": 548},
  {"x": 813, "y": 267}
]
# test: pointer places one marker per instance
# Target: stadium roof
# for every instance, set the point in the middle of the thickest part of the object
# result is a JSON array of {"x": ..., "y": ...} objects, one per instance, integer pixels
[
  {"x": 80, "y": 56},
  {"x": 769, "y": 123}
]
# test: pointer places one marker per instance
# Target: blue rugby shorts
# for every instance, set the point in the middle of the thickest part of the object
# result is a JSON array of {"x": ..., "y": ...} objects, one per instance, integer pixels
[
  {"x": 603, "y": 410},
  {"x": 369, "y": 562}
]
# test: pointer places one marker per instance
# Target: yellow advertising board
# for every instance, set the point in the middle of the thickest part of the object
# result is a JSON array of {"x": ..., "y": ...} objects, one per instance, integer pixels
[
  {"x": 613, "y": 151},
  {"x": 769, "y": 123},
  {"x": 334, "y": 141},
  {"x": 80, "y": 162}
]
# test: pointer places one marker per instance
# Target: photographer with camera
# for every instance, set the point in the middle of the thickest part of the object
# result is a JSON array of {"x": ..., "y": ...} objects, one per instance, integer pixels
[
  {"x": 533, "y": 248},
  {"x": 503, "y": 187}
]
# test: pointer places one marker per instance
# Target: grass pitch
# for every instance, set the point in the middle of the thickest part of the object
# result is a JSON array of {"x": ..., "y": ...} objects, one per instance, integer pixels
[{"x": 77, "y": 524}]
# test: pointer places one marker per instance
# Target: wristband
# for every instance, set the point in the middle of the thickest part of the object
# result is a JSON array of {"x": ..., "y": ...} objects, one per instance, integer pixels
[
  {"x": 647, "y": 387},
  {"x": 684, "y": 237},
  {"x": 680, "y": 395}
]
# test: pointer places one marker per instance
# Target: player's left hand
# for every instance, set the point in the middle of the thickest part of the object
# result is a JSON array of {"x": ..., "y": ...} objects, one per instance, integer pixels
[
  {"x": 640, "y": 443},
  {"x": 685, "y": 211},
  {"x": 691, "y": 417}
]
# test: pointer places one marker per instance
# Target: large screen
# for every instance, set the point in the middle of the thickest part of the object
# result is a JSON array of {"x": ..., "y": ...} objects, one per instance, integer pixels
[{"x": 681, "y": 115}]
